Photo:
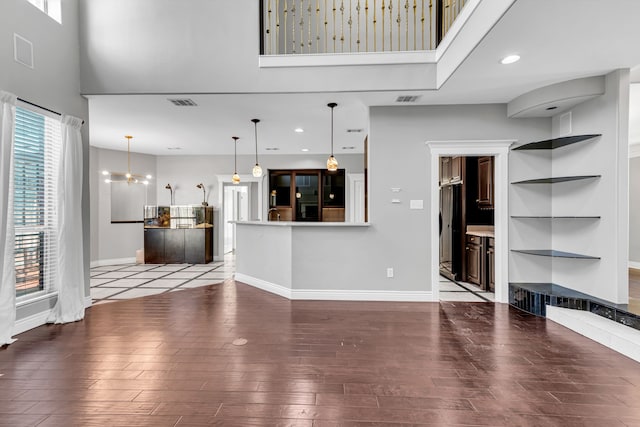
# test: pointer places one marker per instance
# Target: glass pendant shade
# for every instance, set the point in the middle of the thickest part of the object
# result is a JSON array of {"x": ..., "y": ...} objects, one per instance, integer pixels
[
  {"x": 257, "y": 170},
  {"x": 332, "y": 164},
  {"x": 235, "y": 178}
]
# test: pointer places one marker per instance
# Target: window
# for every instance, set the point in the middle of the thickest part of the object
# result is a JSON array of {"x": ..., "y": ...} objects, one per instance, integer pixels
[
  {"x": 53, "y": 8},
  {"x": 36, "y": 158}
]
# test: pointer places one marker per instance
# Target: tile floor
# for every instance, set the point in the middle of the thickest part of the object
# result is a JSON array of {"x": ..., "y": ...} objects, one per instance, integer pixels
[
  {"x": 117, "y": 282},
  {"x": 463, "y": 292}
]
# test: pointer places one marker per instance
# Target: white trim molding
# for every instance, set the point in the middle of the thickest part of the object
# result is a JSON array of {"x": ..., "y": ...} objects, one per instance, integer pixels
[
  {"x": 114, "y": 261},
  {"x": 499, "y": 149},
  {"x": 634, "y": 150},
  {"x": 30, "y": 322},
  {"x": 336, "y": 294}
]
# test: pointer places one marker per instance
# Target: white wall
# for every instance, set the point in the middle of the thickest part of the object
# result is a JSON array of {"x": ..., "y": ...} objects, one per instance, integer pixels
[
  {"x": 634, "y": 211},
  {"x": 606, "y": 196},
  {"x": 120, "y": 241},
  {"x": 54, "y": 83},
  {"x": 189, "y": 49},
  {"x": 116, "y": 241}
]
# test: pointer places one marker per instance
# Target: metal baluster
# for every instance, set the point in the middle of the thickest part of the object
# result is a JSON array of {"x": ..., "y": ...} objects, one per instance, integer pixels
[
  {"x": 293, "y": 26},
  {"x": 382, "y": 25},
  {"x": 317, "y": 26},
  {"x": 277, "y": 27},
  {"x": 358, "y": 35},
  {"x": 342, "y": 26},
  {"x": 334, "y": 26},
  {"x": 415, "y": 25}
]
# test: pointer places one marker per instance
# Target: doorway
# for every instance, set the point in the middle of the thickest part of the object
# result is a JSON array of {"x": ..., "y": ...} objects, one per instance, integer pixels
[
  {"x": 466, "y": 194},
  {"x": 499, "y": 150},
  {"x": 236, "y": 208}
]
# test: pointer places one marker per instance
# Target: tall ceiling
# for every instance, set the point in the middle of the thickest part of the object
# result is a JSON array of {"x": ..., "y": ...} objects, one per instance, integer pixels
[{"x": 557, "y": 41}]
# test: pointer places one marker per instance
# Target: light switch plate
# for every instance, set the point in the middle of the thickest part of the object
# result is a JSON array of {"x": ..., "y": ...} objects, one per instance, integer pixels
[{"x": 416, "y": 204}]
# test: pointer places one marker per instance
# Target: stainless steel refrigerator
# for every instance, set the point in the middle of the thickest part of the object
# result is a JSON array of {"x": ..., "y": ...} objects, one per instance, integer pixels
[{"x": 451, "y": 234}]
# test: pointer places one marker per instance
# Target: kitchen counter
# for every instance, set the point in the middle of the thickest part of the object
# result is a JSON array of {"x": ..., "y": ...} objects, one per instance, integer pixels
[{"x": 480, "y": 230}]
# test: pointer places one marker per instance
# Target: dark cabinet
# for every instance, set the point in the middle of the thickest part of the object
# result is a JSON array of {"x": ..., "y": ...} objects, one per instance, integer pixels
[
  {"x": 490, "y": 264},
  {"x": 485, "y": 182},
  {"x": 310, "y": 195},
  {"x": 474, "y": 259},
  {"x": 451, "y": 170}
]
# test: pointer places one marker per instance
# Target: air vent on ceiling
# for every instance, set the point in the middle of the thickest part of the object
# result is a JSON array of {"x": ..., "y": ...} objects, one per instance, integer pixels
[
  {"x": 182, "y": 102},
  {"x": 354, "y": 130},
  {"x": 272, "y": 148},
  {"x": 350, "y": 147},
  {"x": 407, "y": 98}
]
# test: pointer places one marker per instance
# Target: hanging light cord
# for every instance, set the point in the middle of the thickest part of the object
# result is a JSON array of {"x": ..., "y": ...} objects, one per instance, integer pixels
[
  {"x": 332, "y": 106},
  {"x": 235, "y": 154},
  {"x": 255, "y": 123}
]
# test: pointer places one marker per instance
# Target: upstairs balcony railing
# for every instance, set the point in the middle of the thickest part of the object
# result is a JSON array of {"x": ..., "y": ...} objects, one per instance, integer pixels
[{"x": 351, "y": 26}]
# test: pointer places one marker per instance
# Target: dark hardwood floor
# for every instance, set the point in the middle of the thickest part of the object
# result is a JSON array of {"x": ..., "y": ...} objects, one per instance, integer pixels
[{"x": 168, "y": 360}]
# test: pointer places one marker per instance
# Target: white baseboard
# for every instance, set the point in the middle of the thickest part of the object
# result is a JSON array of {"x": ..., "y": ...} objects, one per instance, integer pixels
[
  {"x": 264, "y": 285},
  {"x": 336, "y": 294},
  {"x": 27, "y": 323},
  {"x": 115, "y": 261},
  {"x": 620, "y": 338},
  {"x": 634, "y": 264},
  {"x": 218, "y": 258}
]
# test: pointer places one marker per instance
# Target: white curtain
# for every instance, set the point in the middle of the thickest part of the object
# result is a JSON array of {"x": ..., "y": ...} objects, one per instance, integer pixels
[
  {"x": 7, "y": 232},
  {"x": 70, "y": 278}
]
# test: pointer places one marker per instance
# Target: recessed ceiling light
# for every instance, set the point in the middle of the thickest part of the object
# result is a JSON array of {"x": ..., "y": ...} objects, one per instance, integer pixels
[
  {"x": 510, "y": 59},
  {"x": 304, "y": 149},
  {"x": 298, "y": 130}
]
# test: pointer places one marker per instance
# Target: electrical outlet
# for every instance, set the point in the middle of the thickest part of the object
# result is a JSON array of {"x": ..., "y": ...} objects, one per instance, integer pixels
[{"x": 389, "y": 272}]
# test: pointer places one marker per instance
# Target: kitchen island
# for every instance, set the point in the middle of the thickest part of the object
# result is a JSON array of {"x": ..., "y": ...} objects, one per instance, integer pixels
[{"x": 295, "y": 260}]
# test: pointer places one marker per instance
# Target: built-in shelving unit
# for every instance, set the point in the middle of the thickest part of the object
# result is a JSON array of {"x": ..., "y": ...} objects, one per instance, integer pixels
[
  {"x": 553, "y": 143},
  {"x": 553, "y": 253},
  {"x": 533, "y": 297},
  {"x": 555, "y": 179}
]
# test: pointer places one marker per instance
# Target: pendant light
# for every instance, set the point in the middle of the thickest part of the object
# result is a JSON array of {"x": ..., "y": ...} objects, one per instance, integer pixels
[
  {"x": 235, "y": 178},
  {"x": 257, "y": 170},
  {"x": 332, "y": 163}
]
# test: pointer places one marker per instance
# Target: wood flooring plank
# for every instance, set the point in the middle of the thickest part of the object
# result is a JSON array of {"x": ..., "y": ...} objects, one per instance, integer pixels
[{"x": 169, "y": 360}]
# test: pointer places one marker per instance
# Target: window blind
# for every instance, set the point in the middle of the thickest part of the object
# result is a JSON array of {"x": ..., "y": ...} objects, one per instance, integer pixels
[{"x": 36, "y": 159}]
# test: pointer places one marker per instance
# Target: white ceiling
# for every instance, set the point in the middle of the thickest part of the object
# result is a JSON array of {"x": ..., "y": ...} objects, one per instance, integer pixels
[{"x": 558, "y": 41}]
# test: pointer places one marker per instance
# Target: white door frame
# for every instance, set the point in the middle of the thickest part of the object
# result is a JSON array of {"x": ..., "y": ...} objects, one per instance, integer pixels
[
  {"x": 500, "y": 150},
  {"x": 222, "y": 179}
]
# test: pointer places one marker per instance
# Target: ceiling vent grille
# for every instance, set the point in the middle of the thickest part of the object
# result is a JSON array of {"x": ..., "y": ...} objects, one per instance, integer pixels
[
  {"x": 407, "y": 98},
  {"x": 354, "y": 130},
  {"x": 182, "y": 102}
]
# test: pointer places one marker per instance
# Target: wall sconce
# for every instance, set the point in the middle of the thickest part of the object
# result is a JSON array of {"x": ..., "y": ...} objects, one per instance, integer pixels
[
  {"x": 168, "y": 187},
  {"x": 204, "y": 194}
]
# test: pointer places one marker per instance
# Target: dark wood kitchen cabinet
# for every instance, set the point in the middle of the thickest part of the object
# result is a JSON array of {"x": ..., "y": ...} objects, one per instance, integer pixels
[
  {"x": 474, "y": 254},
  {"x": 485, "y": 183},
  {"x": 451, "y": 170},
  {"x": 491, "y": 263}
]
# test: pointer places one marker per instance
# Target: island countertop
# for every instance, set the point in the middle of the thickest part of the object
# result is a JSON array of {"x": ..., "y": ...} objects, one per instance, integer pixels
[{"x": 302, "y": 224}]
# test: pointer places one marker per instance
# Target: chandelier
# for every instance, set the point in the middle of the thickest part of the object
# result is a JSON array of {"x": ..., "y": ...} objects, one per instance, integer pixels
[{"x": 128, "y": 176}]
